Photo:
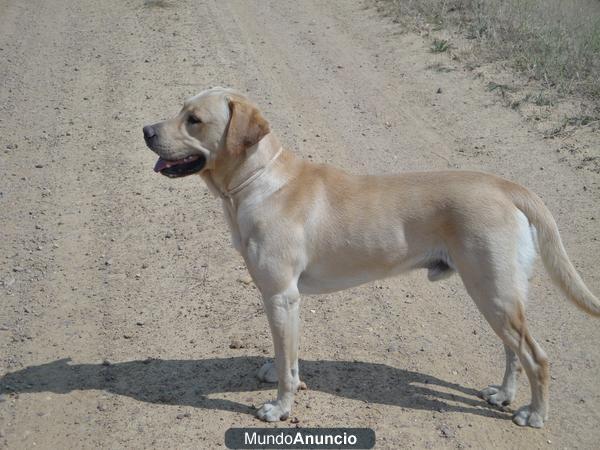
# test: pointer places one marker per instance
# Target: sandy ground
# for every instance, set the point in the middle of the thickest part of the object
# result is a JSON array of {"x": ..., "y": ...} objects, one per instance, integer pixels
[{"x": 120, "y": 292}]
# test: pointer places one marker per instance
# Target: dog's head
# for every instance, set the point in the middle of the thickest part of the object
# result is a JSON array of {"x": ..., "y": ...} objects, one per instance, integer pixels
[{"x": 213, "y": 129}]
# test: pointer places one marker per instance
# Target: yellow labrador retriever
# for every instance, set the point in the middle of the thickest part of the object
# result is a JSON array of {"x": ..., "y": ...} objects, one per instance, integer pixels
[{"x": 304, "y": 228}]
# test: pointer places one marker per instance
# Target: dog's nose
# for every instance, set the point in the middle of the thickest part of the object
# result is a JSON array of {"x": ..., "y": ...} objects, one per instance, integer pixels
[{"x": 149, "y": 132}]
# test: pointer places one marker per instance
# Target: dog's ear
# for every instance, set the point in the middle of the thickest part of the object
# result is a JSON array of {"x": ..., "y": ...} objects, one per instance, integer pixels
[{"x": 247, "y": 126}]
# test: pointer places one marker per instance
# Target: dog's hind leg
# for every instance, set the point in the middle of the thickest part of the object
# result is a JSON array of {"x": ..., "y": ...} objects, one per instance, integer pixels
[
  {"x": 504, "y": 394},
  {"x": 505, "y": 313},
  {"x": 495, "y": 278}
]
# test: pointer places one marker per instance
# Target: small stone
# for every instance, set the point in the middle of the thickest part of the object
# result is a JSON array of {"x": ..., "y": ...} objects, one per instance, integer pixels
[
  {"x": 17, "y": 269},
  {"x": 446, "y": 431},
  {"x": 39, "y": 166},
  {"x": 168, "y": 234},
  {"x": 101, "y": 407},
  {"x": 244, "y": 280},
  {"x": 105, "y": 362},
  {"x": 139, "y": 323},
  {"x": 236, "y": 343},
  {"x": 138, "y": 276},
  {"x": 439, "y": 91},
  {"x": 127, "y": 336},
  {"x": 295, "y": 420}
]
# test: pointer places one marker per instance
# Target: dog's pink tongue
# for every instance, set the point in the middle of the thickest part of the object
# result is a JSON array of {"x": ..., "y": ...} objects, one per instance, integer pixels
[{"x": 160, "y": 165}]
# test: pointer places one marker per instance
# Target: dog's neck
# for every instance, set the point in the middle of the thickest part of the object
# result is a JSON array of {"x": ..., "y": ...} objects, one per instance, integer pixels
[{"x": 240, "y": 178}]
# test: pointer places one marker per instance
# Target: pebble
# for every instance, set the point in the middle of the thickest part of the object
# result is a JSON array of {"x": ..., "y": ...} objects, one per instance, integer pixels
[
  {"x": 446, "y": 431},
  {"x": 244, "y": 280},
  {"x": 236, "y": 343}
]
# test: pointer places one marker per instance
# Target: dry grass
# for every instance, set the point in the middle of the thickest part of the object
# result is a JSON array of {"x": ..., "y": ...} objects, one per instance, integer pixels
[{"x": 554, "y": 41}]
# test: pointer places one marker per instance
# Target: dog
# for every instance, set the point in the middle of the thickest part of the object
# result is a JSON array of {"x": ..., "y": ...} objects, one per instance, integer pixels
[{"x": 305, "y": 228}]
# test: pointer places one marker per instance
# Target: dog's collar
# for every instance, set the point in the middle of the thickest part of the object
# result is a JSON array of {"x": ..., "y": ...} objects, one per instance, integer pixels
[{"x": 229, "y": 193}]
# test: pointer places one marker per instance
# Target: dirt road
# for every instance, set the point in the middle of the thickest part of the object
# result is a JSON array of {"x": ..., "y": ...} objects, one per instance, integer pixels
[{"x": 120, "y": 293}]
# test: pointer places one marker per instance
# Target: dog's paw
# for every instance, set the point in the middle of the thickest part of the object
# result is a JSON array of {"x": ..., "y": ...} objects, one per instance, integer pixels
[
  {"x": 268, "y": 372},
  {"x": 494, "y": 395},
  {"x": 525, "y": 416},
  {"x": 273, "y": 412}
]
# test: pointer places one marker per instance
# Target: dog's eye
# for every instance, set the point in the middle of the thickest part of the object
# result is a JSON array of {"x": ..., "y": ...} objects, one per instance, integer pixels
[{"x": 193, "y": 119}]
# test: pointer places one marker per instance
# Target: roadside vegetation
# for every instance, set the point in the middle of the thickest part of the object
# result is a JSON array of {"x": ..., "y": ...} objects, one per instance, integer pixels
[{"x": 554, "y": 41}]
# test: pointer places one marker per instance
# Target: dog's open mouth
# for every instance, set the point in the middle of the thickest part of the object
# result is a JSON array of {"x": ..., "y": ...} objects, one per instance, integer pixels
[{"x": 180, "y": 167}]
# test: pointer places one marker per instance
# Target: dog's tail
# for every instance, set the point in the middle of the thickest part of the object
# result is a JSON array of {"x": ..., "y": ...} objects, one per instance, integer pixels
[{"x": 552, "y": 251}]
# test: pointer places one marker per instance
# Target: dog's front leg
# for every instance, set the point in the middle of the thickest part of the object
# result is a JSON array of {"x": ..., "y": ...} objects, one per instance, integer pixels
[{"x": 283, "y": 312}]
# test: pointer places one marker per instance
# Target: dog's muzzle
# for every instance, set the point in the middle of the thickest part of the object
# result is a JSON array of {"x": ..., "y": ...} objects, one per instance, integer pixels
[{"x": 173, "y": 168}]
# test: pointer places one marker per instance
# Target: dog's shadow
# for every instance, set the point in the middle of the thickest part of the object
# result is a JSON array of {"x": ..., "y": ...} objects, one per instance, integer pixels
[{"x": 191, "y": 382}]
